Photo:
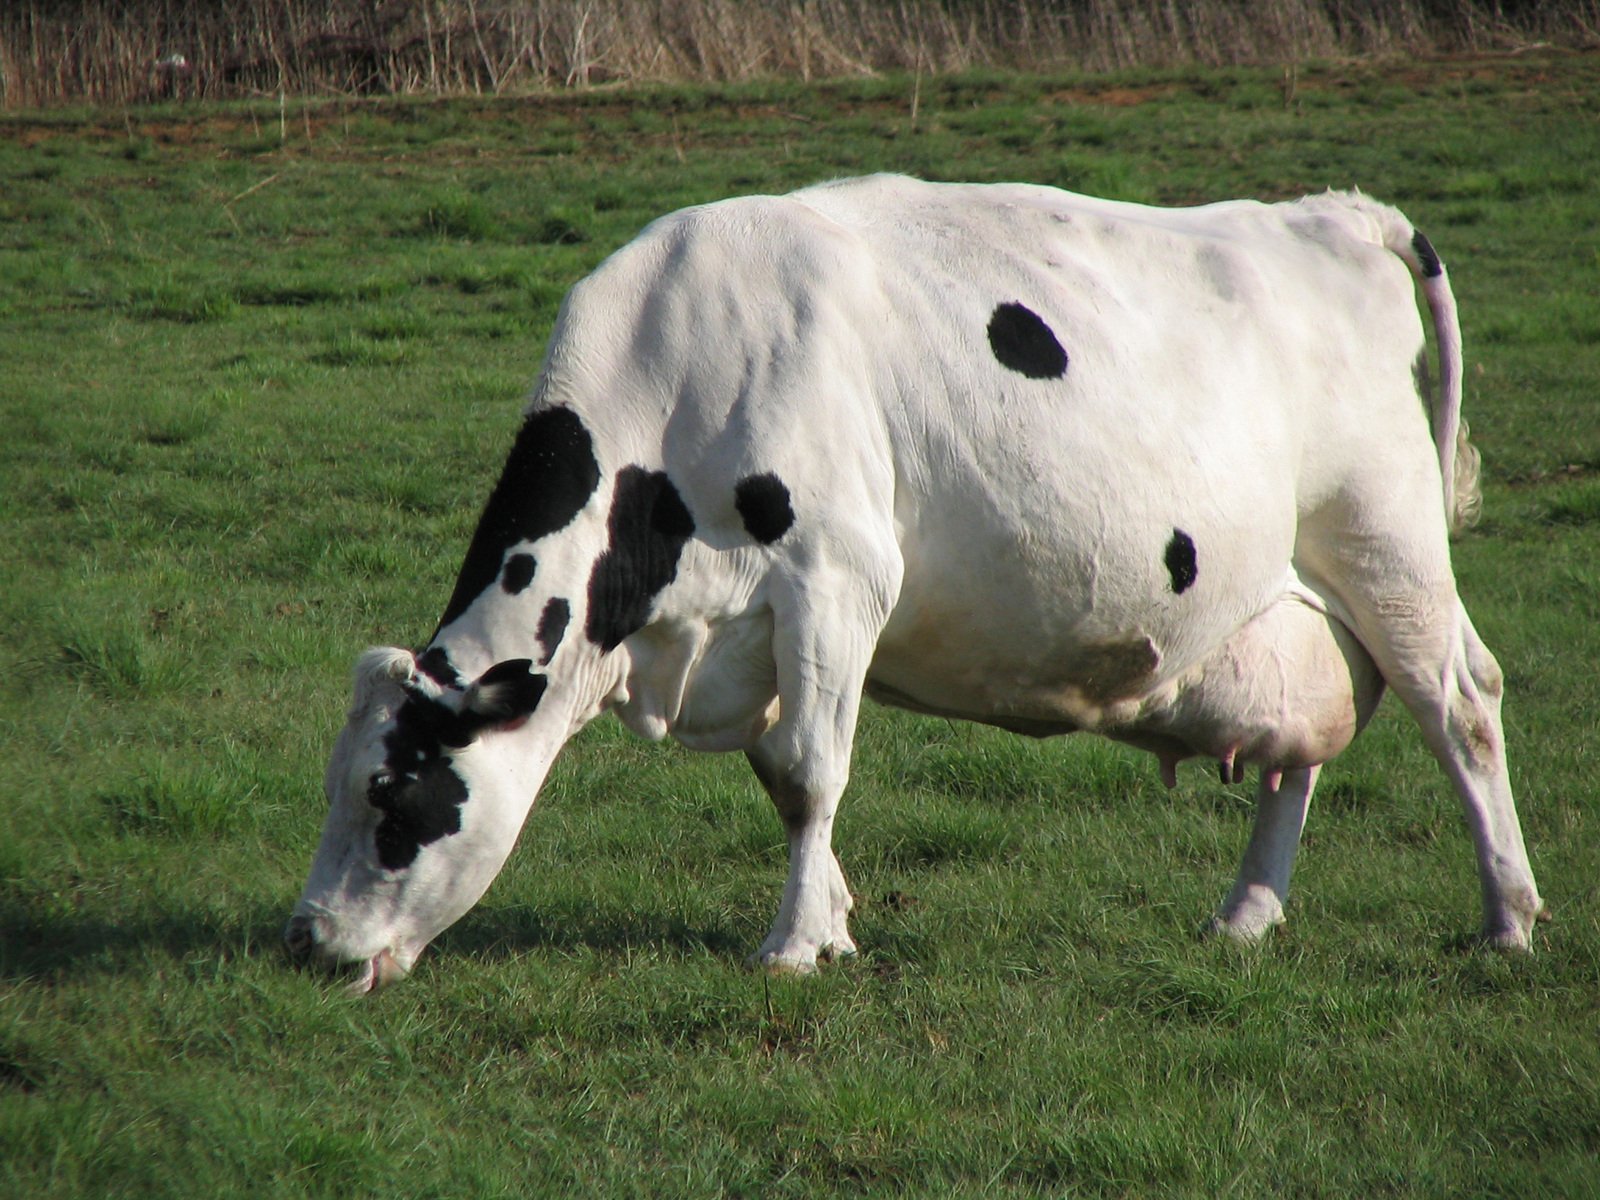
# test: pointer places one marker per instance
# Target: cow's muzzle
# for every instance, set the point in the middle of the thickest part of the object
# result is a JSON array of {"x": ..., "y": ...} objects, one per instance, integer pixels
[
  {"x": 300, "y": 937},
  {"x": 303, "y": 938}
]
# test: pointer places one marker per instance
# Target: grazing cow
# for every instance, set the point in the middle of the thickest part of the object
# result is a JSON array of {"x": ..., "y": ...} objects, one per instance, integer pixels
[{"x": 1001, "y": 453}]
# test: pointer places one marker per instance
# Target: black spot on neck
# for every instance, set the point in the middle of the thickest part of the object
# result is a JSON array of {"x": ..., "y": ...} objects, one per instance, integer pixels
[
  {"x": 1180, "y": 560},
  {"x": 553, "y": 626},
  {"x": 763, "y": 504},
  {"x": 1025, "y": 344},
  {"x": 648, "y": 526},
  {"x": 518, "y": 573},
  {"x": 548, "y": 478},
  {"x": 1427, "y": 256}
]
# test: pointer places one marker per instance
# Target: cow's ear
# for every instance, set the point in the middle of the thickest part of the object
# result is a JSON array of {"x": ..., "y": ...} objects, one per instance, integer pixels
[
  {"x": 379, "y": 666},
  {"x": 505, "y": 694}
]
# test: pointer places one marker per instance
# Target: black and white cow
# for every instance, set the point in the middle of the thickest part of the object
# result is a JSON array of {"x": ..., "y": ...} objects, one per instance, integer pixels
[{"x": 1001, "y": 453}]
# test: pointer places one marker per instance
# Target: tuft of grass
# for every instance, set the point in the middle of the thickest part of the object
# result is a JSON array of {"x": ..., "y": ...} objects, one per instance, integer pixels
[
  {"x": 187, "y": 303},
  {"x": 123, "y": 662},
  {"x": 457, "y": 215},
  {"x": 184, "y": 805},
  {"x": 559, "y": 229},
  {"x": 364, "y": 349},
  {"x": 1574, "y": 504}
]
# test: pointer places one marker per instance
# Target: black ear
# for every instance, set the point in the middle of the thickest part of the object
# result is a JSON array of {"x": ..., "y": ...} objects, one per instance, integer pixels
[{"x": 507, "y": 691}]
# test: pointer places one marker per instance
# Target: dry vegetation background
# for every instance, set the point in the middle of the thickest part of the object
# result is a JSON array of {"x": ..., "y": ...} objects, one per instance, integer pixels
[{"x": 118, "y": 51}]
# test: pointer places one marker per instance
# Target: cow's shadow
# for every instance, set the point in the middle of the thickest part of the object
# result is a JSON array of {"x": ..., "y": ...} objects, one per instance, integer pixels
[
  {"x": 60, "y": 946},
  {"x": 46, "y": 946},
  {"x": 568, "y": 926}
]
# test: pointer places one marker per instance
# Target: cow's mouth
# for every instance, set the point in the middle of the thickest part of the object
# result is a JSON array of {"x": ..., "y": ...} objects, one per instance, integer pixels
[
  {"x": 304, "y": 938},
  {"x": 371, "y": 974}
]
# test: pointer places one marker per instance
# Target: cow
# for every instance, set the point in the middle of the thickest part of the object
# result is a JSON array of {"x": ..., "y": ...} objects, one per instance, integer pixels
[{"x": 992, "y": 452}]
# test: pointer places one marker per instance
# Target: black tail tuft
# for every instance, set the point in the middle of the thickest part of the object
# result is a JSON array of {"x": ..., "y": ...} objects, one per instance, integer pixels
[{"x": 1427, "y": 256}]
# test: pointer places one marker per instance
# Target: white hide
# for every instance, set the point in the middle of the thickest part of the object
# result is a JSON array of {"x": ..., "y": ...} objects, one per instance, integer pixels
[{"x": 972, "y": 540}]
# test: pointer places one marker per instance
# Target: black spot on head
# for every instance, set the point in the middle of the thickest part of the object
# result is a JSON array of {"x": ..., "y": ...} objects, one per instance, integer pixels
[
  {"x": 419, "y": 793},
  {"x": 518, "y": 572},
  {"x": 649, "y": 525},
  {"x": 419, "y": 807},
  {"x": 1025, "y": 344},
  {"x": 1180, "y": 560},
  {"x": 548, "y": 478},
  {"x": 505, "y": 692},
  {"x": 1427, "y": 256},
  {"x": 763, "y": 504},
  {"x": 552, "y": 626},
  {"x": 435, "y": 664}
]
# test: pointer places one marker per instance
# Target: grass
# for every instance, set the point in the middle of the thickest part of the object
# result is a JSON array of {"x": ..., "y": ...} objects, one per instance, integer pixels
[{"x": 255, "y": 391}]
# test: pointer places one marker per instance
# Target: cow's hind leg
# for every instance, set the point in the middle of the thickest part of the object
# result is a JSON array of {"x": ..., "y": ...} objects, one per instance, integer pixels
[
  {"x": 1256, "y": 902},
  {"x": 1469, "y": 741},
  {"x": 1403, "y": 606},
  {"x": 824, "y": 631}
]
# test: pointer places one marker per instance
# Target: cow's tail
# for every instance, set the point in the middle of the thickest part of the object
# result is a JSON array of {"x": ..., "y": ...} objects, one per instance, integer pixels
[{"x": 1458, "y": 457}]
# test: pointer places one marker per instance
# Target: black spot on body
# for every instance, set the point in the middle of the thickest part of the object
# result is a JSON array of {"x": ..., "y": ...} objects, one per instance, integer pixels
[
  {"x": 1180, "y": 560},
  {"x": 518, "y": 572},
  {"x": 648, "y": 526},
  {"x": 1023, "y": 342},
  {"x": 552, "y": 626},
  {"x": 548, "y": 478},
  {"x": 1427, "y": 256},
  {"x": 763, "y": 504}
]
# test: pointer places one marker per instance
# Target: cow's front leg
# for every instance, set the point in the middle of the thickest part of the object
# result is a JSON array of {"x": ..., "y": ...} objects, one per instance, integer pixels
[
  {"x": 826, "y": 623},
  {"x": 813, "y": 919},
  {"x": 1255, "y": 904}
]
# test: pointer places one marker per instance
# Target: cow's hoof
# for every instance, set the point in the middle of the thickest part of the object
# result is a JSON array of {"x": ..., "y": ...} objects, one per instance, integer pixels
[
  {"x": 1511, "y": 941},
  {"x": 802, "y": 960},
  {"x": 774, "y": 964},
  {"x": 1246, "y": 921},
  {"x": 1238, "y": 933},
  {"x": 1510, "y": 927}
]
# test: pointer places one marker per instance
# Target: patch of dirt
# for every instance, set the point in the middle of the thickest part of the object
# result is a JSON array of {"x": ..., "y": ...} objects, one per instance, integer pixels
[
  {"x": 1565, "y": 473},
  {"x": 1112, "y": 97}
]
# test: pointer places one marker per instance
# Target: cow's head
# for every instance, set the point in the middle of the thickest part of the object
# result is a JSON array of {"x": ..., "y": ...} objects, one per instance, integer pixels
[
  {"x": 403, "y": 854},
  {"x": 570, "y": 603}
]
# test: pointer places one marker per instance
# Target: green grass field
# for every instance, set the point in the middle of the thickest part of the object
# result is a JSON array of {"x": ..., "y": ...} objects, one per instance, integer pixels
[{"x": 258, "y": 370}]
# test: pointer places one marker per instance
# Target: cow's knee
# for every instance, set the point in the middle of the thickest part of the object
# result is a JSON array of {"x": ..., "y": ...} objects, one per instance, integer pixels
[{"x": 800, "y": 793}]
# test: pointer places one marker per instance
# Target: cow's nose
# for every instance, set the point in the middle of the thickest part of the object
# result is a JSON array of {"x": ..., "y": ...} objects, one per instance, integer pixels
[{"x": 300, "y": 936}]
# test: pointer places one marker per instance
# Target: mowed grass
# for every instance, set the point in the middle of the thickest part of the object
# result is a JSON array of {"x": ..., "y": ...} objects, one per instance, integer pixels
[{"x": 257, "y": 374}]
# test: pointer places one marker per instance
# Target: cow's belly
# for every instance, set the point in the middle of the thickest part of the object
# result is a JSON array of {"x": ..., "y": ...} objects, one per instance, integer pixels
[
  {"x": 1070, "y": 602},
  {"x": 1288, "y": 687},
  {"x": 1001, "y": 671}
]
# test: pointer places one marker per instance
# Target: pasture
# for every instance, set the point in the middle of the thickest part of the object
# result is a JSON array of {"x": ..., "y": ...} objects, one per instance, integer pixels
[{"x": 259, "y": 366}]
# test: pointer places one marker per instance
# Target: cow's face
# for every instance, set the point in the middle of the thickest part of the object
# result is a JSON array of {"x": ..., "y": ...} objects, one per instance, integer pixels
[{"x": 427, "y": 788}]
